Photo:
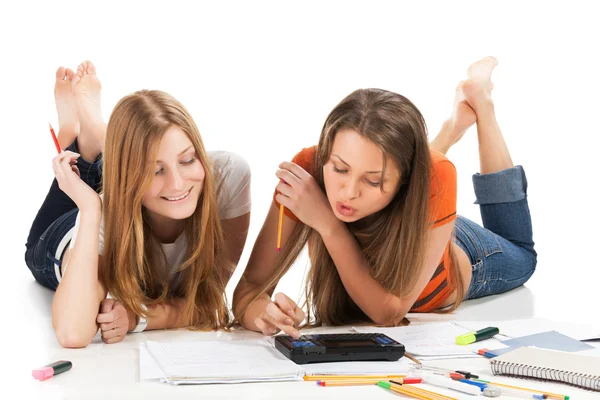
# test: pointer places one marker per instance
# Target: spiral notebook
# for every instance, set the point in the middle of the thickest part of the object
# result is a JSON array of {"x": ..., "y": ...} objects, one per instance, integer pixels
[{"x": 550, "y": 365}]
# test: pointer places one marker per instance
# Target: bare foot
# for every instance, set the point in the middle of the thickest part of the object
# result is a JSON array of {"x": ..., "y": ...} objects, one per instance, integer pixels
[
  {"x": 453, "y": 129},
  {"x": 68, "y": 121},
  {"x": 463, "y": 116},
  {"x": 477, "y": 89},
  {"x": 86, "y": 91}
]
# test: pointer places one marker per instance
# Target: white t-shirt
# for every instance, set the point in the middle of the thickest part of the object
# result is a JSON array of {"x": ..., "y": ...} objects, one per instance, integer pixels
[{"x": 233, "y": 201}]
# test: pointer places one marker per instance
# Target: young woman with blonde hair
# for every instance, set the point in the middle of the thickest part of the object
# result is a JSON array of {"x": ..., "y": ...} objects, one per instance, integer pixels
[
  {"x": 164, "y": 236},
  {"x": 376, "y": 204}
]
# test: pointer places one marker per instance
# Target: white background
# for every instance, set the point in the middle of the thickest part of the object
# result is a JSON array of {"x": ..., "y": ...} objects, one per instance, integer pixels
[{"x": 259, "y": 79}]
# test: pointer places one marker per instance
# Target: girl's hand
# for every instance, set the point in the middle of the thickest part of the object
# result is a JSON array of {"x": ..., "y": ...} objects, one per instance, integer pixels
[
  {"x": 299, "y": 192},
  {"x": 282, "y": 314},
  {"x": 114, "y": 321},
  {"x": 69, "y": 181}
]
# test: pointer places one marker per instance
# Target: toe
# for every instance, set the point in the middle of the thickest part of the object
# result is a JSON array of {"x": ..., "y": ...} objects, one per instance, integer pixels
[
  {"x": 80, "y": 69},
  {"x": 60, "y": 73},
  {"x": 70, "y": 74},
  {"x": 492, "y": 60},
  {"x": 90, "y": 68},
  {"x": 78, "y": 74}
]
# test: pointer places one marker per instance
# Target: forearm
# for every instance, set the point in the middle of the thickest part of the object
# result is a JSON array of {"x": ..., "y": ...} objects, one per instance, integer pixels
[
  {"x": 78, "y": 297},
  {"x": 378, "y": 304},
  {"x": 166, "y": 316}
]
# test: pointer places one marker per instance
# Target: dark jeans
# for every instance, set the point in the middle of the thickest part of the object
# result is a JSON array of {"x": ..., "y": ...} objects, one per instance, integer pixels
[
  {"x": 501, "y": 252},
  {"x": 53, "y": 222}
]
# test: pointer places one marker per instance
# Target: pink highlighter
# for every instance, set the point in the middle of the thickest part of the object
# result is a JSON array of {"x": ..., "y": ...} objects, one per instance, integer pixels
[{"x": 50, "y": 370}]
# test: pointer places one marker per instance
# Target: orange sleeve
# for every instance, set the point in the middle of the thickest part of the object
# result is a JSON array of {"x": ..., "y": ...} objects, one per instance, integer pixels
[
  {"x": 442, "y": 197},
  {"x": 304, "y": 159}
]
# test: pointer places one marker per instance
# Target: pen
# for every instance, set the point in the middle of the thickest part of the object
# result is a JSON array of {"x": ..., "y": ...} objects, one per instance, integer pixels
[
  {"x": 451, "y": 384},
  {"x": 477, "y": 336},
  {"x": 480, "y": 385},
  {"x": 449, "y": 372},
  {"x": 50, "y": 370},
  {"x": 54, "y": 138},
  {"x": 494, "y": 391},
  {"x": 486, "y": 353},
  {"x": 548, "y": 394}
]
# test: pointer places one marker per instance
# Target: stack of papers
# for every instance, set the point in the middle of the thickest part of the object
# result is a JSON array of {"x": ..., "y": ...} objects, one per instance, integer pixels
[
  {"x": 216, "y": 362},
  {"x": 238, "y": 361}
]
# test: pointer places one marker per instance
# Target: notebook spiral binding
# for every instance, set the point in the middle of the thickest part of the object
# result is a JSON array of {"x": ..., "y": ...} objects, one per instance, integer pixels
[{"x": 547, "y": 374}]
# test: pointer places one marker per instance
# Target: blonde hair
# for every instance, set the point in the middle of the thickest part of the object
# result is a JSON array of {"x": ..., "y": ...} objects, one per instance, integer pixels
[
  {"x": 392, "y": 240},
  {"x": 130, "y": 269}
]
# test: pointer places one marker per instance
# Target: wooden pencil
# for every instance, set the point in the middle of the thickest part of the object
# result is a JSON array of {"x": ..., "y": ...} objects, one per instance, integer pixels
[
  {"x": 348, "y": 382},
  {"x": 351, "y": 377},
  {"x": 280, "y": 228}
]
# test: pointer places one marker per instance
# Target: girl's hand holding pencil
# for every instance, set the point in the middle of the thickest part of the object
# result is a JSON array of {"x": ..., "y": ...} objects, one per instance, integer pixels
[
  {"x": 283, "y": 314},
  {"x": 69, "y": 180},
  {"x": 67, "y": 176},
  {"x": 299, "y": 192}
]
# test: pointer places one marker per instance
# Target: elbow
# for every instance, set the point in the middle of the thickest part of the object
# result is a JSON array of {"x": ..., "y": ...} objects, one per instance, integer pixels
[
  {"x": 392, "y": 317},
  {"x": 72, "y": 339}
]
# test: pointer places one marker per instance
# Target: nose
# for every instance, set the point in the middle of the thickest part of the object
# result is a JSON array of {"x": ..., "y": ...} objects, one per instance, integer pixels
[
  {"x": 351, "y": 189},
  {"x": 176, "y": 181}
]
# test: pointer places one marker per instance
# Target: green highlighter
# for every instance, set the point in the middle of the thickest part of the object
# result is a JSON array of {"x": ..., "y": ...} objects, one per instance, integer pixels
[{"x": 477, "y": 336}]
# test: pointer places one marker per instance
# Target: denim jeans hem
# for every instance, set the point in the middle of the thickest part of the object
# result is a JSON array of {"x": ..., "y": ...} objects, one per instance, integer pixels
[{"x": 504, "y": 186}]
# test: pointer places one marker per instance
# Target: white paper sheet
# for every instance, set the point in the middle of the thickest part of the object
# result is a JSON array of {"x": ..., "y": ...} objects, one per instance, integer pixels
[
  {"x": 214, "y": 361},
  {"x": 433, "y": 341}
]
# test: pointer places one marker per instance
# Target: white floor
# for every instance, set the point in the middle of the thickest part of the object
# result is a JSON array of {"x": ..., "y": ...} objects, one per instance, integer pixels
[
  {"x": 112, "y": 371},
  {"x": 259, "y": 79}
]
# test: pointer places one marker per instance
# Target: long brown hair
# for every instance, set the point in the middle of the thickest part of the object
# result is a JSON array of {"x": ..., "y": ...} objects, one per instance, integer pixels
[
  {"x": 392, "y": 240},
  {"x": 131, "y": 252}
]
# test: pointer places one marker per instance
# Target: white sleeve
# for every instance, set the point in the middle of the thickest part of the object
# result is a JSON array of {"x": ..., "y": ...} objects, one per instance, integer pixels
[{"x": 232, "y": 174}]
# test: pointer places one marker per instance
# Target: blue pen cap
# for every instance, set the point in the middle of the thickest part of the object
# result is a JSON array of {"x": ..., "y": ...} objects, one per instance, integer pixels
[{"x": 480, "y": 385}]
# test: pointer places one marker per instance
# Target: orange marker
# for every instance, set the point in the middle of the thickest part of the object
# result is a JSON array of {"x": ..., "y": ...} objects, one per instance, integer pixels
[
  {"x": 280, "y": 227},
  {"x": 55, "y": 139}
]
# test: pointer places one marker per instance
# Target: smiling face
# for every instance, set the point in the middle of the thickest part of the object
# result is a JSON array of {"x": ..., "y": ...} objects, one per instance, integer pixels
[
  {"x": 178, "y": 179},
  {"x": 352, "y": 177}
]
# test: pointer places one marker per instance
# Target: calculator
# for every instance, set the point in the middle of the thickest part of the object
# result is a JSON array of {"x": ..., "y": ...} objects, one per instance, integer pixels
[{"x": 319, "y": 348}]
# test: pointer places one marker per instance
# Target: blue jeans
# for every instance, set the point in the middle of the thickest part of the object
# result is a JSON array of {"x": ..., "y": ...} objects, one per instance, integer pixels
[
  {"x": 54, "y": 220},
  {"x": 501, "y": 252}
]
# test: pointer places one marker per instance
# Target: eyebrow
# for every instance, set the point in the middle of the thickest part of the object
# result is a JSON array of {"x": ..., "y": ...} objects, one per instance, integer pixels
[
  {"x": 159, "y": 161},
  {"x": 367, "y": 172}
]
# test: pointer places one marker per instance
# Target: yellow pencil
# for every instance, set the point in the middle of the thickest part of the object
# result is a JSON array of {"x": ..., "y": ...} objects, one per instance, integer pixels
[
  {"x": 414, "y": 392},
  {"x": 550, "y": 395},
  {"x": 348, "y": 382},
  {"x": 280, "y": 228},
  {"x": 408, "y": 393},
  {"x": 423, "y": 392},
  {"x": 342, "y": 377}
]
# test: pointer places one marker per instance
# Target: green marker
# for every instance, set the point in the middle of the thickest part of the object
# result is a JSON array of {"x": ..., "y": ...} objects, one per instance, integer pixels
[{"x": 477, "y": 336}]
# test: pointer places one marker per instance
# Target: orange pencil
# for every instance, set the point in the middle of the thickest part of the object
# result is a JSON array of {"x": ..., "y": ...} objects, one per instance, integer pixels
[
  {"x": 55, "y": 139},
  {"x": 279, "y": 229}
]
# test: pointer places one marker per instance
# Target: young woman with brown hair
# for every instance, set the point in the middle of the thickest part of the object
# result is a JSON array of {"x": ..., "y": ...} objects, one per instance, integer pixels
[
  {"x": 376, "y": 204},
  {"x": 164, "y": 236}
]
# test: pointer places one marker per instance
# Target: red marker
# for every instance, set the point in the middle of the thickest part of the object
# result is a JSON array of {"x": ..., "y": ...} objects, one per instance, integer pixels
[
  {"x": 55, "y": 139},
  {"x": 50, "y": 370}
]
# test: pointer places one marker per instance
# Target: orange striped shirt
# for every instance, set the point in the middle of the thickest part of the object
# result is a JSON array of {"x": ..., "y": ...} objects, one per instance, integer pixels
[{"x": 442, "y": 211}]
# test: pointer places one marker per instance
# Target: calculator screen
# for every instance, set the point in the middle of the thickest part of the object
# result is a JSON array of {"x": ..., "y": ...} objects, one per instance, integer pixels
[{"x": 347, "y": 343}]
